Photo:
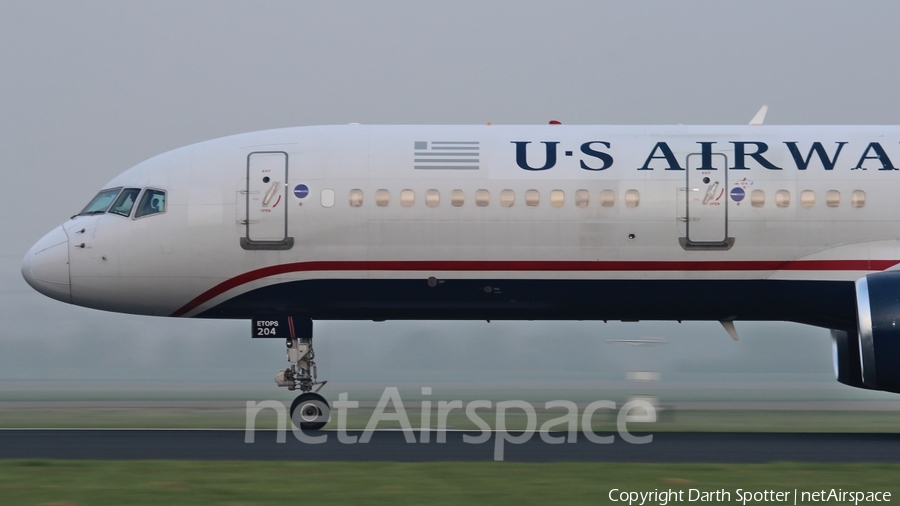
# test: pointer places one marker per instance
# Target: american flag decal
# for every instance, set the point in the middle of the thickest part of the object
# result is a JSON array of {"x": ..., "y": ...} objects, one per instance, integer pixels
[{"x": 446, "y": 155}]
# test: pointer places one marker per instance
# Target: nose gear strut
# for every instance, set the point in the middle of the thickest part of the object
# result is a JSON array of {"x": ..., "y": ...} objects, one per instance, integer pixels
[{"x": 302, "y": 373}]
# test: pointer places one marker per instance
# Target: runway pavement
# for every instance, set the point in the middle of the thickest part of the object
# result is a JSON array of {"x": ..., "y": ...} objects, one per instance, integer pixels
[{"x": 392, "y": 446}]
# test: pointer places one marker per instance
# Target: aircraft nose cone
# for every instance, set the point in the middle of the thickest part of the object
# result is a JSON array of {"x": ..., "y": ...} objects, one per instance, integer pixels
[{"x": 46, "y": 266}]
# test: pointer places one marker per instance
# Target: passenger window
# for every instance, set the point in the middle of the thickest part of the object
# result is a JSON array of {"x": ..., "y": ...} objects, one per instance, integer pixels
[
  {"x": 807, "y": 199},
  {"x": 356, "y": 197},
  {"x": 327, "y": 197},
  {"x": 382, "y": 198},
  {"x": 582, "y": 198},
  {"x": 457, "y": 198},
  {"x": 782, "y": 198},
  {"x": 507, "y": 198},
  {"x": 757, "y": 198},
  {"x": 100, "y": 203},
  {"x": 432, "y": 198},
  {"x": 832, "y": 198},
  {"x": 607, "y": 198},
  {"x": 557, "y": 198},
  {"x": 125, "y": 202},
  {"x": 153, "y": 202},
  {"x": 632, "y": 199},
  {"x": 857, "y": 199},
  {"x": 482, "y": 198},
  {"x": 532, "y": 198},
  {"x": 407, "y": 198}
]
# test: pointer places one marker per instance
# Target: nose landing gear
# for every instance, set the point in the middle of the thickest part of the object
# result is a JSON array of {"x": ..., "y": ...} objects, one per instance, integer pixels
[{"x": 309, "y": 411}]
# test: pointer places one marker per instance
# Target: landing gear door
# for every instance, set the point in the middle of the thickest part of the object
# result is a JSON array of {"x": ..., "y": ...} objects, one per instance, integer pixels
[
  {"x": 266, "y": 202},
  {"x": 707, "y": 203}
]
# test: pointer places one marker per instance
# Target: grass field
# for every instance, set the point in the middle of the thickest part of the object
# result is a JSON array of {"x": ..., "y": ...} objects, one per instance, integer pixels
[{"x": 59, "y": 483}]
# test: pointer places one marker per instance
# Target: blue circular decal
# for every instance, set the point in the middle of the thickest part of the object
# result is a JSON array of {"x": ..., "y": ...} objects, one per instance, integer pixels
[
  {"x": 737, "y": 194},
  {"x": 301, "y": 191}
]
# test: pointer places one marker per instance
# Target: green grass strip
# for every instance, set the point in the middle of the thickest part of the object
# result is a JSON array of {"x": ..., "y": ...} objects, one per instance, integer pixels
[{"x": 59, "y": 482}]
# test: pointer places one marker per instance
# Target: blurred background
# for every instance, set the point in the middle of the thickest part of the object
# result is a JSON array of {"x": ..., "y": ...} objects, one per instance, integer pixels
[{"x": 89, "y": 89}]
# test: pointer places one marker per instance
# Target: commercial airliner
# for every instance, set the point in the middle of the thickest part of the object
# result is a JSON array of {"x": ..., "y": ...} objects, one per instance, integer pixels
[{"x": 546, "y": 222}]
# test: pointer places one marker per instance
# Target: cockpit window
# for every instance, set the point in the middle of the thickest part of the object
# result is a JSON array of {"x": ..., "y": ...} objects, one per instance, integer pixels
[
  {"x": 101, "y": 202},
  {"x": 153, "y": 202},
  {"x": 125, "y": 202}
]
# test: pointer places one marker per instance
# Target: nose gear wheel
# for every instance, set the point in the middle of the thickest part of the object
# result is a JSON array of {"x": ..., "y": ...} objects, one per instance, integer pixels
[{"x": 310, "y": 411}]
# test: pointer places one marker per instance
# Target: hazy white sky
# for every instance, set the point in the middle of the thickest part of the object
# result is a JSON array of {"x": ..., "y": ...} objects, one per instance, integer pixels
[{"x": 89, "y": 89}]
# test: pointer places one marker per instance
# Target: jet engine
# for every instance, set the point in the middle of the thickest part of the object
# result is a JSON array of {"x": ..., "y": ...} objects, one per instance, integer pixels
[{"x": 870, "y": 357}]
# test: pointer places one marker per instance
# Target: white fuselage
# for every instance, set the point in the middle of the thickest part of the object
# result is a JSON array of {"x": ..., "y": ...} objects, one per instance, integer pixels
[{"x": 275, "y": 217}]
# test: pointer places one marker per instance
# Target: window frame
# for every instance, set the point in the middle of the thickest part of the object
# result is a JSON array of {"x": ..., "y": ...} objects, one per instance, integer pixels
[
  {"x": 557, "y": 198},
  {"x": 858, "y": 199},
  {"x": 457, "y": 198},
  {"x": 382, "y": 197},
  {"x": 432, "y": 198},
  {"x": 807, "y": 199},
  {"x": 327, "y": 198},
  {"x": 632, "y": 198},
  {"x": 607, "y": 198},
  {"x": 143, "y": 194},
  {"x": 134, "y": 204},
  {"x": 782, "y": 199},
  {"x": 482, "y": 198},
  {"x": 407, "y": 197},
  {"x": 351, "y": 197},
  {"x": 117, "y": 189},
  {"x": 582, "y": 198},
  {"x": 757, "y": 203}
]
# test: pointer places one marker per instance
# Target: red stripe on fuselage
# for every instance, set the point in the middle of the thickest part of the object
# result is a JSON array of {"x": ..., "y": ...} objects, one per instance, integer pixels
[{"x": 536, "y": 266}]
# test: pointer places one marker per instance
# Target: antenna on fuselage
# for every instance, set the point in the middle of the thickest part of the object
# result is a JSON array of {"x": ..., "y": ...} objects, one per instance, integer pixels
[
  {"x": 760, "y": 116},
  {"x": 729, "y": 327}
]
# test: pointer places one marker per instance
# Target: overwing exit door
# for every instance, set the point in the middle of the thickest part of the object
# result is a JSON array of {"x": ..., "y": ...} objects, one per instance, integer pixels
[
  {"x": 707, "y": 202},
  {"x": 266, "y": 201}
]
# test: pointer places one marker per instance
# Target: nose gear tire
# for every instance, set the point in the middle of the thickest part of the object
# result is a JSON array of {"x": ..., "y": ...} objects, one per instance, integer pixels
[{"x": 310, "y": 411}]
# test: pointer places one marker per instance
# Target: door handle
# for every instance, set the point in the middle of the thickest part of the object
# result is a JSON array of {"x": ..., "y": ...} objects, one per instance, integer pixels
[
  {"x": 710, "y": 192},
  {"x": 270, "y": 194}
]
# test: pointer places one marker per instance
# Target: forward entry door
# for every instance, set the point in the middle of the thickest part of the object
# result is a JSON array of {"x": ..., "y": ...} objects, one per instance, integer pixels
[
  {"x": 707, "y": 201},
  {"x": 266, "y": 194}
]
